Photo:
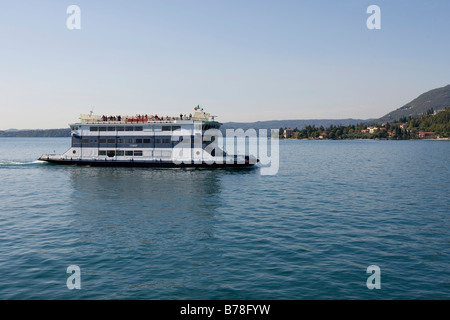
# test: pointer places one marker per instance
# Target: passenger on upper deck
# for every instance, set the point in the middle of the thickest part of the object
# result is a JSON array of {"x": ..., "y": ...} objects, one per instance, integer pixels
[{"x": 145, "y": 118}]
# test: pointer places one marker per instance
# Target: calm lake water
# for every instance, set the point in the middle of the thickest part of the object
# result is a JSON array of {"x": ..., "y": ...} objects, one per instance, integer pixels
[{"x": 309, "y": 232}]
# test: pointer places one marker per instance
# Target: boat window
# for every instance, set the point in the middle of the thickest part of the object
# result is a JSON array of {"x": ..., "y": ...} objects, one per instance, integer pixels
[
  {"x": 138, "y": 128},
  {"x": 128, "y": 140},
  {"x": 102, "y": 153},
  {"x": 176, "y": 128},
  {"x": 120, "y": 129},
  {"x": 209, "y": 126},
  {"x": 138, "y": 140},
  {"x": 128, "y": 128},
  {"x": 120, "y": 153},
  {"x": 111, "y": 128},
  {"x": 147, "y": 140},
  {"x": 128, "y": 153},
  {"x": 111, "y": 153},
  {"x": 84, "y": 140},
  {"x": 102, "y": 129},
  {"x": 157, "y": 140},
  {"x": 165, "y": 140},
  {"x": 138, "y": 153},
  {"x": 166, "y": 128},
  {"x": 111, "y": 140},
  {"x": 93, "y": 128},
  {"x": 101, "y": 140},
  {"x": 119, "y": 140}
]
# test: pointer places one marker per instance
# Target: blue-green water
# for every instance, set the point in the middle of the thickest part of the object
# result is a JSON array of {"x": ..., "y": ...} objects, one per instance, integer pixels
[{"x": 309, "y": 232}]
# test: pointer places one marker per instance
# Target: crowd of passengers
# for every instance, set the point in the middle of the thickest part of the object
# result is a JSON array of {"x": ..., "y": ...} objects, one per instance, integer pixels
[{"x": 145, "y": 118}]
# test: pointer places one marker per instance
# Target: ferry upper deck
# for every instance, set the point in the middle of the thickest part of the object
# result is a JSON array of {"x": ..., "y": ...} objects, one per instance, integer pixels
[{"x": 145, "y": 118}]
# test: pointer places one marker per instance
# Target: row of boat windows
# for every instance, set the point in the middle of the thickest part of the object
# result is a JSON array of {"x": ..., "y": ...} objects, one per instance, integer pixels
[
  {"x": 127, "y": 141},
  {"x": 134, "y": 153},
  {"x": 133, "y": 128},
  {"x": 120, "y": 153},
  {"x": 137, "y": 153}
]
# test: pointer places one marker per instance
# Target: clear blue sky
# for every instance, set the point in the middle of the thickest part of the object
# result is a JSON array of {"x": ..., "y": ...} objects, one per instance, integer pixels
[{"x": 242, "y": 60}]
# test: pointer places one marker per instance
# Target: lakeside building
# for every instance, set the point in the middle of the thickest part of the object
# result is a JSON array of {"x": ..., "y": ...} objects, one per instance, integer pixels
[
  {"x": 424, "y": 134},
  {"x": 288, "y": 133}
]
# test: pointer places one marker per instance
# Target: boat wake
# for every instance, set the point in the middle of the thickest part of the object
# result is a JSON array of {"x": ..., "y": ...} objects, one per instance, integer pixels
[{"x": 4, "y": 163}]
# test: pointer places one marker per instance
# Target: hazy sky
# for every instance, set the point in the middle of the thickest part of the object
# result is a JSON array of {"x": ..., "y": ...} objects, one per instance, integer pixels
[{"x": 241, "y": 60}]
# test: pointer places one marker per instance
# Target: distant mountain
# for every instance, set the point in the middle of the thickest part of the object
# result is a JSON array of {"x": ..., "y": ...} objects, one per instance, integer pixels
[
  {"x": 436, "y": 99},
  {"x": 36, "y": 133},
  {"x": 299, "y": 124},
  {"x": 271, "y": 124}
]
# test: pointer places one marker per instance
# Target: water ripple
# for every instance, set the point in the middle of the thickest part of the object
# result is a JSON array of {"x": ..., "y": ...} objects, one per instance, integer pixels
[{"x": 310, "y": 232}]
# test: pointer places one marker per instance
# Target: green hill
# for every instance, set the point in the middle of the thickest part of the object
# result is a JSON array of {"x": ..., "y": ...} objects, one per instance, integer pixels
[
  {"x": 436, "y": 99},
  {"x": 438, "y": 123}
]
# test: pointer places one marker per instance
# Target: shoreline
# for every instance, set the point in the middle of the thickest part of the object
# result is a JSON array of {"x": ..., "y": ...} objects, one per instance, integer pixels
[{"x": 306, "y": 139}]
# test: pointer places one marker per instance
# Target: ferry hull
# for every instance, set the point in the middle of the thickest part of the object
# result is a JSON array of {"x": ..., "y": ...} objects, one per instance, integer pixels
[{"x": 145, "y": 164}]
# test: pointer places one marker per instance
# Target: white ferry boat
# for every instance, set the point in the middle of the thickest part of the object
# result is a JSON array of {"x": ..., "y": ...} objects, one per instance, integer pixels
[{"x": 146, "y": 141}]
